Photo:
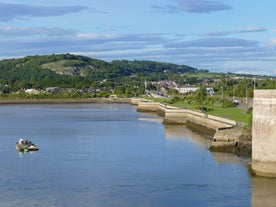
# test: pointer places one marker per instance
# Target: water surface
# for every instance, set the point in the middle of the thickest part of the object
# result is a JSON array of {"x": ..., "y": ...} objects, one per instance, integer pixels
[{"x": 110, "y": 155}]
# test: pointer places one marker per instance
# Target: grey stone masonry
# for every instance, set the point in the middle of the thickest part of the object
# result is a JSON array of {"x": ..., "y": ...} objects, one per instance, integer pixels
[{"x": 264, "y": 133}]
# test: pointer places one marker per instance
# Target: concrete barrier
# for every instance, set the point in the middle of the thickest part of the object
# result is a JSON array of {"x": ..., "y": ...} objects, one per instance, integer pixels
[
  {"x": 225, "y": 132},
  {"x": 135, "y": 101},
  {"x": 175, "y": 115}
]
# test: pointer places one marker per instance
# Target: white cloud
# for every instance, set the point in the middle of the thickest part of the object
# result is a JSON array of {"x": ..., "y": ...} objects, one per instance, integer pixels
[
  {"x": 98, "y": 36},
  {"x": 272, "y": 43},
  {"x": 229, "y": 32},
  {"x": 9, "y": 31},
  {"x": 214, "y": 43}
]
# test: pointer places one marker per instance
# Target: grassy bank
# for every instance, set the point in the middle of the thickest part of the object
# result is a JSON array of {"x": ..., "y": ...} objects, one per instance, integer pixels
[{"x": 233, "y": 113}]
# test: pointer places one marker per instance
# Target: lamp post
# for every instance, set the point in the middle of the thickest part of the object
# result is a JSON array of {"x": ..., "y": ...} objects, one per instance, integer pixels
[
  {"x": 202, "y": 98},
  {"x": 222, "y": 96},
  {"x": 233, "y": 93},
  {"x": 246, "y": 93}
]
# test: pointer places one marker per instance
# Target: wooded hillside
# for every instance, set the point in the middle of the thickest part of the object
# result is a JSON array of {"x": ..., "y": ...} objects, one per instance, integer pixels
[{"x": 67, "y": 70}]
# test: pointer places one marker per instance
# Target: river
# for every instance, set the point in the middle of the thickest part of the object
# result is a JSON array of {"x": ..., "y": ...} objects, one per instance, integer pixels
[{"x": 109, "y": 155}]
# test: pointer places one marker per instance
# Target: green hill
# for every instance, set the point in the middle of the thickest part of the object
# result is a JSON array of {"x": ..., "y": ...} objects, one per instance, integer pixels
[{"x": 67, "y": 70}]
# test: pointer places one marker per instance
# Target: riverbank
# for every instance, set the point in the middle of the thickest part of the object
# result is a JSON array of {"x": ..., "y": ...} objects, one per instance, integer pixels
[
  {"x": 62, "y": 101},
  {"x": 227, "y": 136},
  {"x": 236, "y": 140}
]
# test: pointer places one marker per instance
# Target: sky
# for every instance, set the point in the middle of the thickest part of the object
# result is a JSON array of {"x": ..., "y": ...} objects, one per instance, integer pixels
[{"x": 237, "y": 36}]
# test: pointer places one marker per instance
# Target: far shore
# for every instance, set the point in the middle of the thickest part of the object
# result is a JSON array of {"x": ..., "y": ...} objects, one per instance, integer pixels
[{"x": 62, "y": 101}]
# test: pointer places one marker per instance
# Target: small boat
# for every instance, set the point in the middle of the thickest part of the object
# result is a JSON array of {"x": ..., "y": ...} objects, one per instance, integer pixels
[{"x": 26, "y": 147}]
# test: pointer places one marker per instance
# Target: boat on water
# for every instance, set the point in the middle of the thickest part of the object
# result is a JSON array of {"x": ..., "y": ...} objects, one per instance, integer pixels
[{"x": 26, "y": 147}]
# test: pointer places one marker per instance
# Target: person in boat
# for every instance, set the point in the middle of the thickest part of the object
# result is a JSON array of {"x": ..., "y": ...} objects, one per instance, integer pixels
[
  {"x": 27, "y": 141},
  {"x": 21, "y": 141}
]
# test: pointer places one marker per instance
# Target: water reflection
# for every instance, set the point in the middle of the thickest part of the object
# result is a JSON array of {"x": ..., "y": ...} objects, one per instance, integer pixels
[
  {"x": 182, "y": 132},
  {"x": 263, "y": 189},
  {"x": 224, "y": 158},
  {"x": 21, "y": 154},
  {"x": 150, "y": 116},
  {"x": 263, "y": 192}
]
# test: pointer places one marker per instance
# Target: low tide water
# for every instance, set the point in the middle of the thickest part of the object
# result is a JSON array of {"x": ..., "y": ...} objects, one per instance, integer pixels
[{"x": 109, "y": 155}]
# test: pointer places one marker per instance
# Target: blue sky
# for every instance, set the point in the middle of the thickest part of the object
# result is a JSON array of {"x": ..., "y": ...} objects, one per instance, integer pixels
[{"x": 218, "y": 35}]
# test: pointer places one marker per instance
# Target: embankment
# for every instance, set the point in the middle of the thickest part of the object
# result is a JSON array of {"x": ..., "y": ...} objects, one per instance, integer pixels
[{"x": 226, "y": 135}]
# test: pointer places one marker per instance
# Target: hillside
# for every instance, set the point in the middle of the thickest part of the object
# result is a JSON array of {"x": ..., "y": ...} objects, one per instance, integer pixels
[{"x": 67, "y": 70}]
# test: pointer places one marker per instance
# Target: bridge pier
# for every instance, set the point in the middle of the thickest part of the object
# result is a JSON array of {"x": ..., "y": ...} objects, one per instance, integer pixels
[{"x": 264, "y": 133}]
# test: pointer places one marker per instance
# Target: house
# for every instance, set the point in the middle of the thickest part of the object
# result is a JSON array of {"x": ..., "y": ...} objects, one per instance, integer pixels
[{"x": 32, "y": 91}]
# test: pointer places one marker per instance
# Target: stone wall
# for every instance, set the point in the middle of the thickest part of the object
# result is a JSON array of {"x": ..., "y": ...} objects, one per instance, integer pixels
[
  {"x": 264, "y": 133},
  {"x": 174, "y": 115},
  {"x": 227, "y": 136}
]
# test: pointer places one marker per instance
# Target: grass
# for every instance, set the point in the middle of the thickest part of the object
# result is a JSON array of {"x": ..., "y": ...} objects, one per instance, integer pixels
[{"x": 235, "y": 114}]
